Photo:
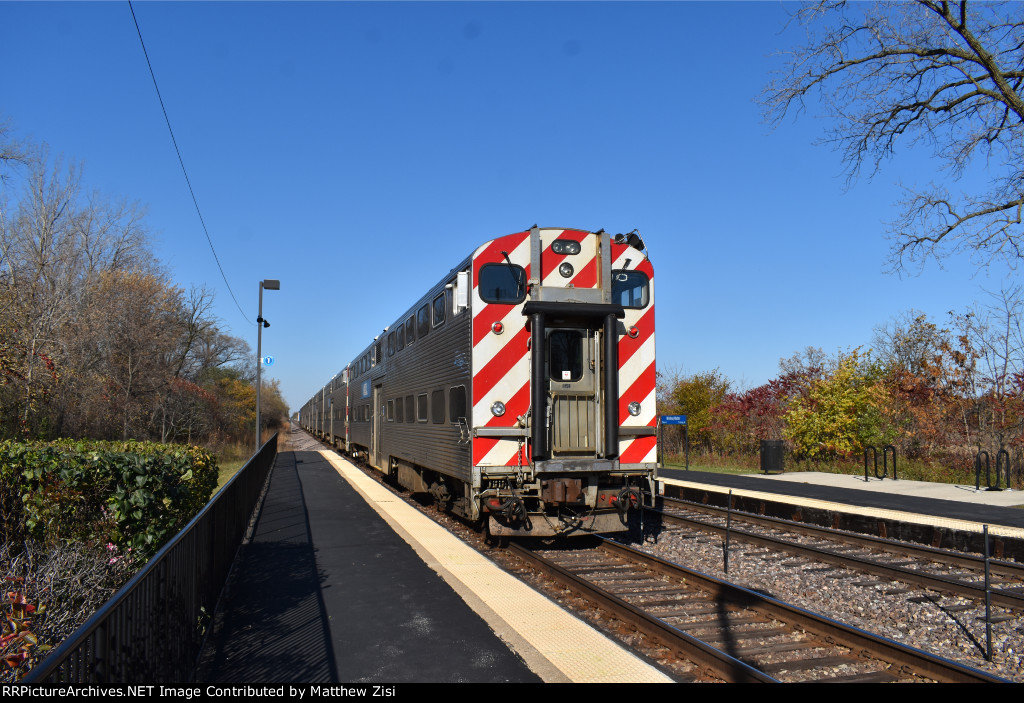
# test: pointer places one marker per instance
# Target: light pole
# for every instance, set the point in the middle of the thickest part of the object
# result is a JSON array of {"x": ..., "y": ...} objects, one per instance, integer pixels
[{"x": 269, "y": 284}]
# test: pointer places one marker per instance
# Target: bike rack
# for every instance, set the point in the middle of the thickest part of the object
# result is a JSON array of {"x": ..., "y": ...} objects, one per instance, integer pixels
[
  {"x": 874, "y": 452},
  {"x": 885, "y": 462},
  {"x": 988, "y": 471},
  {"x": 999, "y": 465}
]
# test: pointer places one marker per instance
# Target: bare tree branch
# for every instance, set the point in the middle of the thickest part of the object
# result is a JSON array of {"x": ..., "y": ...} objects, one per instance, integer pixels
[{"x": 924, "y": 73}]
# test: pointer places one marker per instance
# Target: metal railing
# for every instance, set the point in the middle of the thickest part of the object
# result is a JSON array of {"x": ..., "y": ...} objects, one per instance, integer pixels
[{"x": 153, "y": 628}]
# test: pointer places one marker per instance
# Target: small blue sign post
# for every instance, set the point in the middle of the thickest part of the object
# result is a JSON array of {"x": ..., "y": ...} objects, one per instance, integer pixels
[{"x": 678, "y": 420}]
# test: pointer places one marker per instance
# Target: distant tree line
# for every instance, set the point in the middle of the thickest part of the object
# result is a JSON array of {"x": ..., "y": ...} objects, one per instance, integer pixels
[
  {"x": 937, "y": 393},
  {"x": 95, "y": 339}
]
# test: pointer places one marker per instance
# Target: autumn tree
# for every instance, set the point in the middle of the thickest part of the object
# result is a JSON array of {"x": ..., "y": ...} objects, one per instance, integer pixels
[
  {"x": 939, "y": 74},
  {"x": 843, "y": 412},
  {"x": 95, "y": 339},
  {"x": 695, "y": 396}
]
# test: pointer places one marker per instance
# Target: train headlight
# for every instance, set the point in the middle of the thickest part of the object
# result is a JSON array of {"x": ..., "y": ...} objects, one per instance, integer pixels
[
  {"x": 566, "y": 269},
  {"x": 634, "y": 408},
  {"x": 498, "y": 408}
]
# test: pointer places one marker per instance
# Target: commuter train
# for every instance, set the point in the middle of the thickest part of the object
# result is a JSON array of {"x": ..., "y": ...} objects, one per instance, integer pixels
[{"x": 519, "y": 390}]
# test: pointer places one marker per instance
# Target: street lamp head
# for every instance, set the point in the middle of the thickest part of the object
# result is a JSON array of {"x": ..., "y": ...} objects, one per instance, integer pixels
[{"x": 271, "y": 284}]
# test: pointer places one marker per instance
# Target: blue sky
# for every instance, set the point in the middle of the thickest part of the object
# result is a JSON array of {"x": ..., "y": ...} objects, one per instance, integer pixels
[{"x": 358, "y": 151}]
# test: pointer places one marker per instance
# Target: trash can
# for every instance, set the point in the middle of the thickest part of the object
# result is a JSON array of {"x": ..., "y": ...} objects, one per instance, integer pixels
[{"x": 772, "y": 453}]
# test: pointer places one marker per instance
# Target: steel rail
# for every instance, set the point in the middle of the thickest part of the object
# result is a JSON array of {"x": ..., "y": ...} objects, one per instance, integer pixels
[
  {"x": 937, "y": 582},
  {"x": 970, "y": 561},
  {"x": 711, "y": 659},
  {"x": 920, "y": 662}
]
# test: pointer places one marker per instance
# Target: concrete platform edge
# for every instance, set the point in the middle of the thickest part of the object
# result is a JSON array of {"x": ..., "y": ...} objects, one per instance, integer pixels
[
  {"x": 554, "y": 665},
  {"x": 936, "y": 531}
]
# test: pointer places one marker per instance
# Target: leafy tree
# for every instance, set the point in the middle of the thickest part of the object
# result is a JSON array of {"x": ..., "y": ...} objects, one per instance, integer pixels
[
  {"x": 842, "y": 413},
  {"x": 742, "y": 420},
  {"x": 946, "y": 75},
  {"x": 696, "y": 396},
  {"x": 95, "y": 340}
]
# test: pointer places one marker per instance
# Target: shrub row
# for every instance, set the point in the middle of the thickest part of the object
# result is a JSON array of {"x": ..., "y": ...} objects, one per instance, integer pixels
[{"x": 132, "y": 494}]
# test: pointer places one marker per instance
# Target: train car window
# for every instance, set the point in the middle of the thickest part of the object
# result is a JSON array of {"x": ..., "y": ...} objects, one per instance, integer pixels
[
  {"x": 565, "y": 360},
  {"x": 399, "y": 411},
  {"x": 501, "y": 283},
  {"x": 400, "y": 342},
  {"x": 391, "y": 344},
  {"x": 391, "y": 411},
  {"x": 410, "y": 331},
  {"x": 410, "y": 409},
  {"x": 456, "y": 403},
  {"x": 631, "y": 289},
  {"x": 437, "y": 407},
  {"x": 422, "y": 321},
  {"x": 439, "y": 310},
  {"x": 421, "y": 407}
]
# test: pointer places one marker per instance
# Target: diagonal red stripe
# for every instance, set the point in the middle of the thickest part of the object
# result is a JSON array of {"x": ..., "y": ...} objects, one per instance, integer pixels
[
  {"x": 514, "y": 407},
  {"x": 641, "y": 388},
  {"x": 482, "y": 445},
  {"x": 628, "y": 345},
  {"x": 636, "y": 451},
  {"x": 495, "y": 369},
  {"x": 587, "y": 276},
  {"x": 491, "y": 313}
]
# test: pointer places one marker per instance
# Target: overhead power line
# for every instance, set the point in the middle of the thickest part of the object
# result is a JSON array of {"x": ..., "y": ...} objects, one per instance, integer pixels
[{"x": 182, "y": 162}]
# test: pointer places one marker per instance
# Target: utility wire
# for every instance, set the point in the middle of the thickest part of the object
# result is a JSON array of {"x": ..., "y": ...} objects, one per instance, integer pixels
[{"x": 182, "y": 162}]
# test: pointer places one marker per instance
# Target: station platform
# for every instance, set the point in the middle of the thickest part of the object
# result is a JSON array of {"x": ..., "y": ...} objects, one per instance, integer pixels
[
  {"x": 345, "y": 582},
  {"x": 896, "y": 508}
]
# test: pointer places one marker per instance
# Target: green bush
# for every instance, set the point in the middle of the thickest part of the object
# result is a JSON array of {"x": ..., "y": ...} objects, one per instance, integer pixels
[{"x": 131, "y": 494}]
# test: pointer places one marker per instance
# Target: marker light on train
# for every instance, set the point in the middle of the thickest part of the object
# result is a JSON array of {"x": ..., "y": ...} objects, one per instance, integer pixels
[
  {"x": 633, "y": 332},
  {"x": 634, "y": 408},
  {"x": 566, "y": 269},
  {"x": 497, "y": 328},
  {"x": 565, "y": 246},
  {"x": 498, "y": 408}
]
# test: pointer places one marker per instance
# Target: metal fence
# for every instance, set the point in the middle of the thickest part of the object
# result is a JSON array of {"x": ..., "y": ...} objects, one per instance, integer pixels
[{"x": 153, "y": 628}]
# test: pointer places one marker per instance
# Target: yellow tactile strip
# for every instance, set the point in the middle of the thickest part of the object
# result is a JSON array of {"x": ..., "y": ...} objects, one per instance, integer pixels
[
  {"x": 898, "y": 515},
  {"x": 557, "y": 645}
]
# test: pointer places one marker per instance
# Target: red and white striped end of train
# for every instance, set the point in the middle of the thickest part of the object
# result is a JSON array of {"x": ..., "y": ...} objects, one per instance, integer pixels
[{"x": 519, "y": 390}]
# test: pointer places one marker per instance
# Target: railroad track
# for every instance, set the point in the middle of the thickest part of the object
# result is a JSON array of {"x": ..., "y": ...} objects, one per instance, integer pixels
[
  {"x": 732, "y": 633},
  {"x": 940, "y": 570}
]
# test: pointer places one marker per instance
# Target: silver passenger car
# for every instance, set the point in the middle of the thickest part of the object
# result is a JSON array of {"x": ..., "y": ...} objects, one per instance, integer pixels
[{"x": 520, "y": 389}]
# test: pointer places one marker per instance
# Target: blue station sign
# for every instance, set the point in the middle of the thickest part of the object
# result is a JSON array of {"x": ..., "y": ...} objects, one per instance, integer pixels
[{"x": 673, "y": 419}]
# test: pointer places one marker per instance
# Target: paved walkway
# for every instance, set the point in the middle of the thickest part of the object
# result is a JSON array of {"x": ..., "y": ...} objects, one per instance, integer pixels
[
  {"x": 327, "y": 592},
  {"x": 345, "y": 582}
]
